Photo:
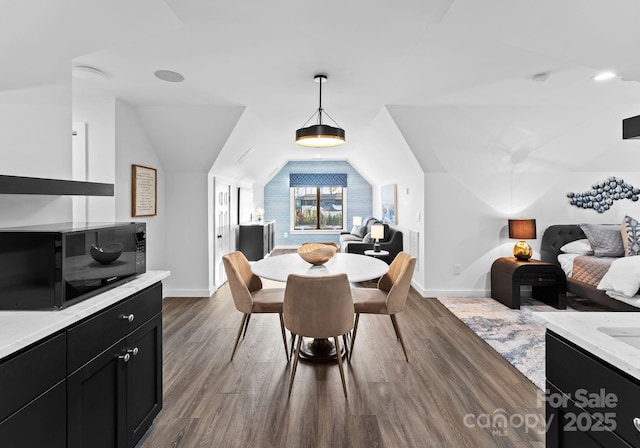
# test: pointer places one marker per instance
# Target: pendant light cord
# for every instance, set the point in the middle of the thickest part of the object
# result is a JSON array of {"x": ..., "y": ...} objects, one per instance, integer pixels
[
  {"x": 320, "y": 103},
  {"x": 320, "y": 110}
]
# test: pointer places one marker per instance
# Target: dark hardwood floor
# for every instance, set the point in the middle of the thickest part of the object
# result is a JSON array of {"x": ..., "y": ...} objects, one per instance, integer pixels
[{"x": 454, "y": 392}]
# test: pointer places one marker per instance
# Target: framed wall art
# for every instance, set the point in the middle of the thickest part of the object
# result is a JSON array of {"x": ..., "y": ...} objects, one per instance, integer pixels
[
  {"x": 389, "y": 204},
  {"x": 144, "y": 191}
]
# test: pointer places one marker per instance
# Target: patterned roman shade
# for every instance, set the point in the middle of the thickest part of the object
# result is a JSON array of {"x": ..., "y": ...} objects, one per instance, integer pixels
[{"x": 317, "y": 180}]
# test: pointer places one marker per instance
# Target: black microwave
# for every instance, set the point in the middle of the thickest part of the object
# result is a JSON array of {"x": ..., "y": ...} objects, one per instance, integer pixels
[{"x": 53, "y": 266}]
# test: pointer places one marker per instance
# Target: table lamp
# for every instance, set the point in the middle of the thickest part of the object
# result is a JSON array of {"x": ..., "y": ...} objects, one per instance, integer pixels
[
  {"x": 377, "y": 232},
  {"x": 522, "y": 229}
]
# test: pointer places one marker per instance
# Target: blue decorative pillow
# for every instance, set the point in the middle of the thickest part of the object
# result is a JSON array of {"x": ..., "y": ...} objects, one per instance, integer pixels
[{"x": 630, "y": 231}]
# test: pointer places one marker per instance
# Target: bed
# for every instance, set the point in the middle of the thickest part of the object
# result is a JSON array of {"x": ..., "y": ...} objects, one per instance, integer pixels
[{"x": 581, "y": 283}]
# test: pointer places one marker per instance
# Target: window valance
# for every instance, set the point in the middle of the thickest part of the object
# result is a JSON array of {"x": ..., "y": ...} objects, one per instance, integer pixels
[{"x": 317, "y": 179}]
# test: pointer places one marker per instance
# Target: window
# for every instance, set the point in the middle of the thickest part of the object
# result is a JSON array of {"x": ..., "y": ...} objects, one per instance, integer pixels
[
  {"x": 318, "y": 208},
  {"x": 318, "y": 201}
]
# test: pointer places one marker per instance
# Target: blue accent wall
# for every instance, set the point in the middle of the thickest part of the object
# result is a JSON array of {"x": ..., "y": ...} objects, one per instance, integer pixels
[{"x": 278, "y": 208}]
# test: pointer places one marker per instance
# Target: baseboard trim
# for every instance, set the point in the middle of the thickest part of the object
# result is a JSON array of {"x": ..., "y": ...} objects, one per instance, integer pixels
[
  {"x": 418, "y": 288},
  {"x": 457, "y": 293},
  {"x": 195, "y": 293}
]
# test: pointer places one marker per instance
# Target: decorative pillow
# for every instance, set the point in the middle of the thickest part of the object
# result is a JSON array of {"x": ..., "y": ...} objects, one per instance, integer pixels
[
  {"x": 605, "y": 239},
  {"x": 371, "y": 222},
  {"x": 367, "y": 238},
  {"x": 630, "y": 232},
  {"x": 359, "y": 231},
  {"x": 622, "y": 277},
  {"x": 580, "y": 247}
]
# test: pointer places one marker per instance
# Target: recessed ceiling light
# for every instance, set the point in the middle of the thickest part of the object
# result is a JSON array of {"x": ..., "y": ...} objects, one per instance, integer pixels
[
  {"x": 604, "y": 76},
  {"x": 87, "y": 72},
  {"x": 169, "y": 76}
]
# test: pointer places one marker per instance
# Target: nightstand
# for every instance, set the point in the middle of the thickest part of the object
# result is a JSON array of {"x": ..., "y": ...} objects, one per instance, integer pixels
[{"x": 548, "y": 282}]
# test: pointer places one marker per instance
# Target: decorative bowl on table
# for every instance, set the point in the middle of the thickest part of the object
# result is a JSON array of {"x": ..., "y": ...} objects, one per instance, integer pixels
[
  {"x": 317, "y": 253},
  {"x": 106, "y": 253}
]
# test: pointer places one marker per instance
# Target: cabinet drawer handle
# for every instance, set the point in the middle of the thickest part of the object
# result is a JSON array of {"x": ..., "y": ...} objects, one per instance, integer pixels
[
  {"x": 126, "y": 357},
  {"x": 134, "y": 351},
  {"x": 129, "y": 317},
  {"x": 636, "y": 423}
]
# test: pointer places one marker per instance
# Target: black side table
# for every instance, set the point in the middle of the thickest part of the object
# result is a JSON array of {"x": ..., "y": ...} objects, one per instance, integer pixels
[{"x": 548, "y": 282}]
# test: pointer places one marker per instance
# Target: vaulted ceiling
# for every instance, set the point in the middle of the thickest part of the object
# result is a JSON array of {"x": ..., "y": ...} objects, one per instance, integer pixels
[{"x": 455, "y": 75}]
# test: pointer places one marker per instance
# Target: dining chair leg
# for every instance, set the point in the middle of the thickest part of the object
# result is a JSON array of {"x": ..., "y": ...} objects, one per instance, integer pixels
[
  {"x": 336, "y": 340},
  {"x": 346, "y": 345},
  {"x": 235, "y": 347},
  {"x": 353, "y": 337},
  {"x": 246, "y": 325},
  {"x": 284, "y": 338},
  {"x": 397, "y": 328},
  {"x": 293, "y": 342},
  {"x": 295, "y": 365}
]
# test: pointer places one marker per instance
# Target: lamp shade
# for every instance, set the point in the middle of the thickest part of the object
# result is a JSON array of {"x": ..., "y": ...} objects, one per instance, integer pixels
[
  {"x": 319, "y": 136},
  {"x": 357, "y": 220},
  {"x": 377, "y": 231},
  {"x": 522, "y": 229}
]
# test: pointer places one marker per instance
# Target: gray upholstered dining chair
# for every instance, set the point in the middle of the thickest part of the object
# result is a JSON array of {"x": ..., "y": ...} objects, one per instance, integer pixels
[
  {"x": 318, "y": 307},
  {"x": 389, "y": 297},
  {"x": 248, "y": 295}
]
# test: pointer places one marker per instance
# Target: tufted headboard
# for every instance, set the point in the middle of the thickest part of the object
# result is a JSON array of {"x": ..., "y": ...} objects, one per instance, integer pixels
[{"x": 556, "y": 236}]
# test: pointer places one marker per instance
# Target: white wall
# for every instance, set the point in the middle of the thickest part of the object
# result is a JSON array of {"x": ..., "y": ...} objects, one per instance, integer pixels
[
  {"x": 133, "y": 147},
  {"x": 384, "y": 158},
  {"x": 187, "y": 228},
  {"x": 35, "y": 140}
]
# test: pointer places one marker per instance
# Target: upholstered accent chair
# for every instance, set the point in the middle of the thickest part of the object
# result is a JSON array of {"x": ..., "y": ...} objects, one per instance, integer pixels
[
  {"x": 249, "y": 297},
  {"x": 389, "y": 297},
  {"x": 318, "y": 307}
]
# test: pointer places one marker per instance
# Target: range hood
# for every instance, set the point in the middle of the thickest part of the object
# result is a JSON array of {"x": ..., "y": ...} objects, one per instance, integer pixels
[
  {"x": 38, "y": 185},
  {"x": 631, "y": 127}
]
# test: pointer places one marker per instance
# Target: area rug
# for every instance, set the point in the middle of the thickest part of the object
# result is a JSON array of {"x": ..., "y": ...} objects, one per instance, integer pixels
[{"x": 512, "y": 333}]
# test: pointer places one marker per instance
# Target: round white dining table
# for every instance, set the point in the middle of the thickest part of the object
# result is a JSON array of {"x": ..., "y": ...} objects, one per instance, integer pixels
[{"x": 359, "y": 268}]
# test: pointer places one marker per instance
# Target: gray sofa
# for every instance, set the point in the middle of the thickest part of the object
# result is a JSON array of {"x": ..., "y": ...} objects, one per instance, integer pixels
[{"x": 357, "y": 241}]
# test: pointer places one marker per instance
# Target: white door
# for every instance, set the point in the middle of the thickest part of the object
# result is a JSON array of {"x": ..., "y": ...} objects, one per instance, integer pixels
[{"x": 222, "y": 230}]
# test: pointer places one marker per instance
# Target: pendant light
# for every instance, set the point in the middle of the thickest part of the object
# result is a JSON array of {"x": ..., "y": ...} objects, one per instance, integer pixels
[{"x": 320, "y": 135}]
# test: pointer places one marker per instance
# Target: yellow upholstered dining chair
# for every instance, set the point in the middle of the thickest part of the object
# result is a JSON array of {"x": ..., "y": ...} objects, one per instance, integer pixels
[
  {"x": 389, "y": 297},
  {"x": 318, "y": 307},
  {"x": 248, "y": 295}
]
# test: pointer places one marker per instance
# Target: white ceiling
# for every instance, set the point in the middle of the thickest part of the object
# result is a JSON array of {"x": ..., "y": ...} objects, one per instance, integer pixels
[{"x": 249, "y": 66}]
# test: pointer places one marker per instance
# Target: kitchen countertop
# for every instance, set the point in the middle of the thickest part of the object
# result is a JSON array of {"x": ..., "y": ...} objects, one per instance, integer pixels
[
  {"x": 19, "y": 329},
  {"x": 583, "y": 330}
]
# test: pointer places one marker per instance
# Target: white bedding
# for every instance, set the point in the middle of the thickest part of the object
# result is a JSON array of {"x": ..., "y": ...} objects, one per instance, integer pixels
[
  {"x": 566, "y": 263},
  {"x": 622, "y": 280}
]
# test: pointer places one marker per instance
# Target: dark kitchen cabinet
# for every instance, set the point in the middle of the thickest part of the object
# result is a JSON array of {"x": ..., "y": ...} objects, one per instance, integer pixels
[
  {"x": 113, "y": 398},
  {"x": 30, "y": 393},
  {"x": 40, "y": 423},
  {"x": 144, "y": 379},
  {"x": 97, "y": 401},
  {"x": 256, "y": 239},
  {"x": 589, "y": 403},
  {"x": 97, "y": 383}
]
